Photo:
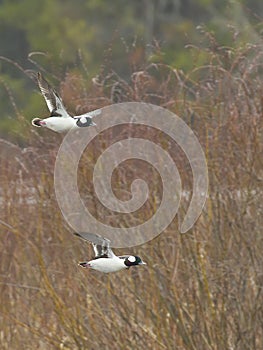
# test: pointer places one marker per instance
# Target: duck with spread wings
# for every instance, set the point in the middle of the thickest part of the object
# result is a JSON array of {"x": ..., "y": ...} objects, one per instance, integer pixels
[
  {"x": 60, "y": 120},
  {"x": 105, "y": 260}
]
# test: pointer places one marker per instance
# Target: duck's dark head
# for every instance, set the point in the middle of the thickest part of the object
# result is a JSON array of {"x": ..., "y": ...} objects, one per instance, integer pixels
[
  {"x": 85, "y": 121},
  {"x": 133, "y": 260}
]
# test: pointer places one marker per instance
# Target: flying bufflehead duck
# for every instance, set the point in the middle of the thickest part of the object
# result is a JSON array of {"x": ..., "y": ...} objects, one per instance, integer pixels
[
  {"x": 60, "y": 120},
  {"x": 105, "y": 260}
]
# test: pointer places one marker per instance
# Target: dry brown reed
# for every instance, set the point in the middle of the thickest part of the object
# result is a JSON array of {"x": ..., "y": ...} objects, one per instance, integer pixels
[{"x": 200, "y": 290}]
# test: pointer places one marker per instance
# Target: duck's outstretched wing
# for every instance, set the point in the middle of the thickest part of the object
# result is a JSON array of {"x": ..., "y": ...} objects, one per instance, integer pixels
[
  {"x": 52, "y": 98},
  {"x": 90, "y": 114},
  {"x": 100, "y": 244}
]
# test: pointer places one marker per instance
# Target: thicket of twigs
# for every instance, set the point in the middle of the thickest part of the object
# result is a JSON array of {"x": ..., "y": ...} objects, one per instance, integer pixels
[{"x": 200, "y": 290}]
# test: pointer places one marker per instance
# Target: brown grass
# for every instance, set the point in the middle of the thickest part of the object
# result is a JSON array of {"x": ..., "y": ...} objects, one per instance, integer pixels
[{"x": 200, "y": 290}]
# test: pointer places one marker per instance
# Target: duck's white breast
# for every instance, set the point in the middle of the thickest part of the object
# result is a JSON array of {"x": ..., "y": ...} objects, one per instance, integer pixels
[
  {"x": 59, "y": 124},
  {"x": 107, "y": 264}
]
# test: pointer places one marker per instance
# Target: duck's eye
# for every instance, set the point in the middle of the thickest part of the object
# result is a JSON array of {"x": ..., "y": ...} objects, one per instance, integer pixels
[{"x": 131, "y": 259}]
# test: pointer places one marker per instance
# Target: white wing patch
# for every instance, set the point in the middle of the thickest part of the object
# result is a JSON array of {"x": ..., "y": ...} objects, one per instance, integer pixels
[
  {"x": 83, "y": 120},
  {"x": 131, "y": 259}
]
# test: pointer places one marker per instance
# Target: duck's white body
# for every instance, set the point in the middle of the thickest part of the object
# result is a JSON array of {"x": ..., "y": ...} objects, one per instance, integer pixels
[
  {"x": 58, "y": 124},
  {"x": 60, "y": 120},
  {"x": 64, "y": 124},
  {"x": 107, "y": 265}
]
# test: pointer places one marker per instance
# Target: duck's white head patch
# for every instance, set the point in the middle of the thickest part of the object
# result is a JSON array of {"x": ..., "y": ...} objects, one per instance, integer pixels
[{"x": 131, "y": 259}]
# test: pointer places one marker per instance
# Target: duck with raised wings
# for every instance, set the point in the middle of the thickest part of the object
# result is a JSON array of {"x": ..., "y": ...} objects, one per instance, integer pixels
[
  {"x": 105, "y": 260},
  {"x": 60, "y": 120}
]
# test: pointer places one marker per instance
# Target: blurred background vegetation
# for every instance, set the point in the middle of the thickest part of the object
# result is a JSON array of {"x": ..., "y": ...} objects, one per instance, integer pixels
[
  {"x": 202, "y": 59},
  {"x": 83, "y": 38}
]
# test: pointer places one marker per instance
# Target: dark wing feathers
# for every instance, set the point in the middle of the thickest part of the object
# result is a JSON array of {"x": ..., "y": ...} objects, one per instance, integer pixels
[
  {"x": 55, "y": 104},
  {"x": 100, "y": 244},
  {"x": 52, "y": 98},
  {"x": 91, "y": 237},
  {"x": 123, "y": 256},
  {"x": 47, "y": 92},
  {"x": 100, "y": 250}
]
